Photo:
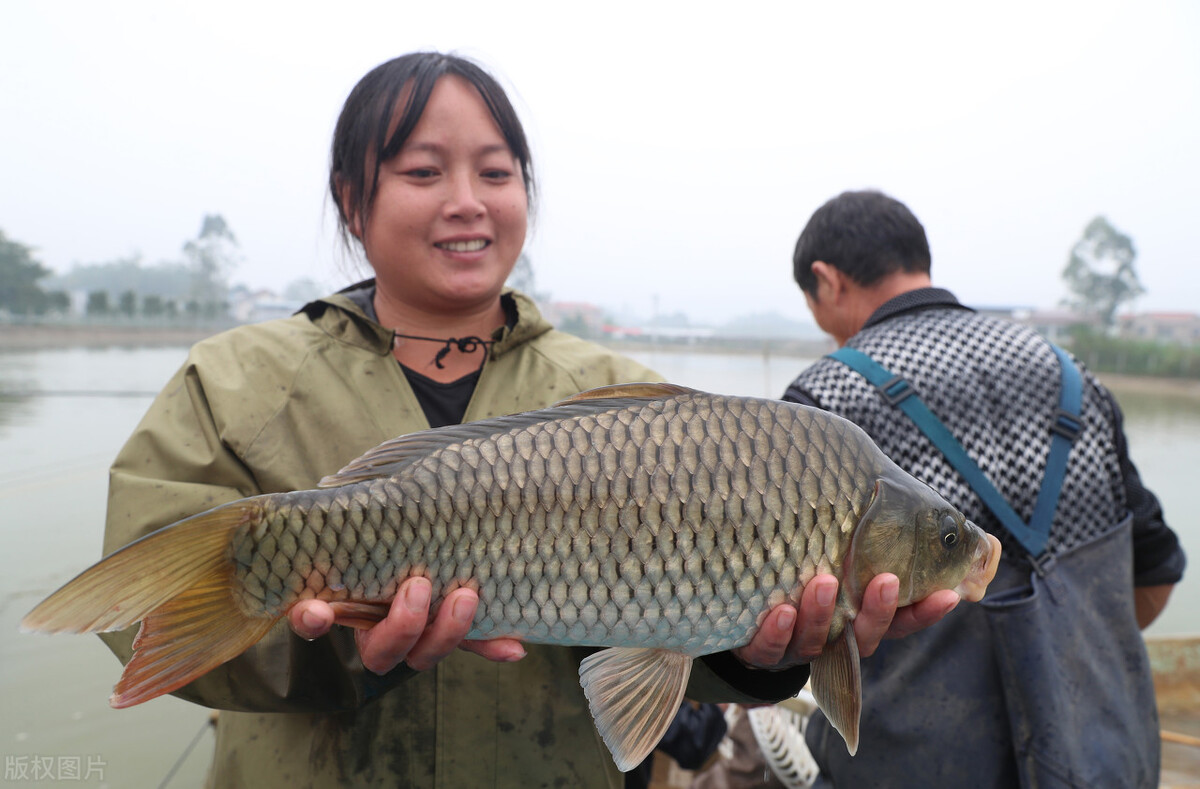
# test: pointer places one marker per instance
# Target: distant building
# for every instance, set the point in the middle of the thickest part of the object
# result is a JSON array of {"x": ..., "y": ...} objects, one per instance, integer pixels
[
  {"x": 616, "y": 332},
  {"x": 1053, "y": 324},
  {"x": 1180, "y": 328},
  {"x": 253, "y": 306},
  {"x": 269, "y": 310},
  {"x": 578, "y": 317},
  {"x": 591, "y": 320},
  {"x": 686, "y": 335},
  {"x": 1008, "y": 313}
]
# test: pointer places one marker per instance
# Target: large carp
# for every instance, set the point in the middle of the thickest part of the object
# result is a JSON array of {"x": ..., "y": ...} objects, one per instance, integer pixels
[{"x": 657, "y": 521}]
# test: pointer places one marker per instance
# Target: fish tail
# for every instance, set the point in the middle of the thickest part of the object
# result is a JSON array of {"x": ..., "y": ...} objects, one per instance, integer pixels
[{"x": 178, "y": 583}]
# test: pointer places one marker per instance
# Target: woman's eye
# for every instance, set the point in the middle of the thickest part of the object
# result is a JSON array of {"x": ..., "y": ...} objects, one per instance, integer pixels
[
  {"x": 496, "y": 175},
  {"x": 420, "y": 172}
]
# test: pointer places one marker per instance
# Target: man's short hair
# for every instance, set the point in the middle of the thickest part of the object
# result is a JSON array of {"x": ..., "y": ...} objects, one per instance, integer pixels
[{"x": 865, "y": 235}]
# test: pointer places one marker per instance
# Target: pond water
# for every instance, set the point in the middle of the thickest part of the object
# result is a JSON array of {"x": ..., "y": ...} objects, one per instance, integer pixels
[{"x": 65, "y": 413}]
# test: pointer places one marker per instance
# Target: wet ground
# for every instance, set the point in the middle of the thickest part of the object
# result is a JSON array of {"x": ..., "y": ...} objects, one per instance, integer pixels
[
  {"x": 1181, "y": 756},
  {"x": 1176, "y": 666}
]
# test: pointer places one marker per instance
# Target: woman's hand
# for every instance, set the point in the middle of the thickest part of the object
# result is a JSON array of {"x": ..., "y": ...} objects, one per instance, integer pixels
[
  {"x": 406, "y": 634},
  {"x": 788, "y": 638}
]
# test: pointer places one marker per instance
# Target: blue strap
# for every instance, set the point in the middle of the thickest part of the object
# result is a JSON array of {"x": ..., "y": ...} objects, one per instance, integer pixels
[
  {"x": 1065, "y": 429},
  {"x": 1034, "y": 535}
]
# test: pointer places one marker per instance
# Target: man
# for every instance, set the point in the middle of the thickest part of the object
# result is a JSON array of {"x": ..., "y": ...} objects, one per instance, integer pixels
[{"x": 1045, "y": 682}]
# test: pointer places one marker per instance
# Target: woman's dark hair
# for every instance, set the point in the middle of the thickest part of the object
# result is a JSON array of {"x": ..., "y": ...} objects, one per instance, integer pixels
[
  {"x": 865, "y": 235},
  {"x": 362, "y": 127}
]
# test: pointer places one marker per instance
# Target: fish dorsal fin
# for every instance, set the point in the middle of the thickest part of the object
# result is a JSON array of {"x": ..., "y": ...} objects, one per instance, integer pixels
[
  {"x": 633, "y": 694},
  {"x": 837, "y": 685},
  {"x": 635, "y": 391},
  {"x": 394, "y": 455}
]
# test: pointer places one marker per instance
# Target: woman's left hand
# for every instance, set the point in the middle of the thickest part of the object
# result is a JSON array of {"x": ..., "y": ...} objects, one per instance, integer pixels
[{"x": 406, "y": 634}]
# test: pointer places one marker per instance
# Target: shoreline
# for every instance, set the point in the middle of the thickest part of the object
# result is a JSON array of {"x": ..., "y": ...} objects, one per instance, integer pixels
[
  {"x": 39, "y": 336},
  {"x": 16, "y": 337},
  {"x": 1136, "y": 384}
]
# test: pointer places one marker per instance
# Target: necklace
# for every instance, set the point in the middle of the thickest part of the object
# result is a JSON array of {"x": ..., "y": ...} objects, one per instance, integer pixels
[{"x": 465, "y": 344}]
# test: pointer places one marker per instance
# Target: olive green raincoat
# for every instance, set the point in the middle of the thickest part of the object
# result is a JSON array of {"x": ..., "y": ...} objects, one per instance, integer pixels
[{"x": 276, "y": 406}]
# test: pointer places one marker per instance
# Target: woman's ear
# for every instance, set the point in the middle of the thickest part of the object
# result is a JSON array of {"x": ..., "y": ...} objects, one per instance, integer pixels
[{"x": 350, "y": 211}]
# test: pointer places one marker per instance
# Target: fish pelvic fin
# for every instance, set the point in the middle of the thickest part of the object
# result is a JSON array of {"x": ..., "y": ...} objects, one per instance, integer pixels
[
  {"x": 178, "y": 583},
  {"x": 359, "y": 615},
  {"x": 633, "y": 694},
  {"x": 837, "y": 685}
]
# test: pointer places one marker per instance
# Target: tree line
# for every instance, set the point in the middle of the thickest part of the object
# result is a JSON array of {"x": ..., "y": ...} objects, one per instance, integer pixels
[
  {"x": 194, "y": 287},
  {"x": 1099, "y": 275}
]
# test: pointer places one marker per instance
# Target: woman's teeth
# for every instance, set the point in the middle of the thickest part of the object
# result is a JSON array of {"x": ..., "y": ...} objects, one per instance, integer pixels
[{"x": 463, "y": 246}]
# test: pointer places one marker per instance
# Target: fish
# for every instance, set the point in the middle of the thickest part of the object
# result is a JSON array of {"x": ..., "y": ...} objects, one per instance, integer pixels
[{"x": 656, "y": 522}]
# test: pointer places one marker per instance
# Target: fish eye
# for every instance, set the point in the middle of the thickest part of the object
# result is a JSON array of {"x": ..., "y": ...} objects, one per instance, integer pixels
[{"x": 949, "y": 531}]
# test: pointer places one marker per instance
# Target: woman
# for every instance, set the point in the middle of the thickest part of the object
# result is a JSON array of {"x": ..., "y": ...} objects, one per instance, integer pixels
[{"x": 431, "y": 174}]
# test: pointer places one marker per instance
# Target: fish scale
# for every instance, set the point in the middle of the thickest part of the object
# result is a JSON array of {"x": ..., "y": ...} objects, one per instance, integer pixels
[
  {"x": 553, "y": 549},
  {"x": 656, "y": 521}
]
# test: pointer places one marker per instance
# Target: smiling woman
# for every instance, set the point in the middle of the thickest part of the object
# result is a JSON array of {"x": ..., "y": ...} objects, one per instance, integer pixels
[
  {"x": 445, "y": 225},
  {"x": 435, "y": 182},
  {"x": 431, "y": 176}
]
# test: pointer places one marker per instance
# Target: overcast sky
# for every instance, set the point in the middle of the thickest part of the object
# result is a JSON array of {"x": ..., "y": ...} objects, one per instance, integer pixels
[{"x": 680, "y": 146}]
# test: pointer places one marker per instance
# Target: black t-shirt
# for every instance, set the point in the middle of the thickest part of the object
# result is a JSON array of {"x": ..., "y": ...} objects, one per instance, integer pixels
[{"x": 443, "y": 403}]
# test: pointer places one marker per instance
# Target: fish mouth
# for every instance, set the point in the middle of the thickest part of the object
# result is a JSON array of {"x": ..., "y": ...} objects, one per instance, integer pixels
[{"x": 983, "y": 570}]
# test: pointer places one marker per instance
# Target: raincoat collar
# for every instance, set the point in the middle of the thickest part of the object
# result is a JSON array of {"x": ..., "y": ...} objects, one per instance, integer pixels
[{"x": 343, "y": 319}]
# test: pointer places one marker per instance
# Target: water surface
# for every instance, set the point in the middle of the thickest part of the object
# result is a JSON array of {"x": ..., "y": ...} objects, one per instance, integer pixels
[{"x": 65, "y": 413}]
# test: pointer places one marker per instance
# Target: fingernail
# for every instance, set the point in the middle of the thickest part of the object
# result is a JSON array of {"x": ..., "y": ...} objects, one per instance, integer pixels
[
  {"x": 515, "y": 655},
  {"x": 785, "y": 620},
  {"x": 416, "y": 595},
  {"x": 826, "y": 593},
  {"x": 890, "y": 592},
  {"x": 463, "y": 611},
  {"x": 312, "y": 621}
]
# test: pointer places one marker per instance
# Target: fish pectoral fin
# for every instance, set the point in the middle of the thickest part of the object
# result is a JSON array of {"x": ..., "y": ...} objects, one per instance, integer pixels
[
  {"x": 633, "y": 694},
  {"x": 837, "y": 685},
  {"x": 359, "y": 615}
]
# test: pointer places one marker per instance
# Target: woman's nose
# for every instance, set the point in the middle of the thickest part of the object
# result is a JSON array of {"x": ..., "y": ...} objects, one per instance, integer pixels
[{"x": 463, "y": 201}]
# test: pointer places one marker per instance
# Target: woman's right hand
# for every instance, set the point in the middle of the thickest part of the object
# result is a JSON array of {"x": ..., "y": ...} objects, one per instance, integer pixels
[{"x": 406, "y": 634}]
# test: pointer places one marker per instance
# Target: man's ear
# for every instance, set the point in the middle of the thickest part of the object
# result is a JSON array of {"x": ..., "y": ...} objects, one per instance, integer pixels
[{"x": 831, "y": 282}]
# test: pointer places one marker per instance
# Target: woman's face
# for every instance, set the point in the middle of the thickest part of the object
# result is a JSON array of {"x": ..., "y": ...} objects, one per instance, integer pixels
[{"x": 450, "y": 210}]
